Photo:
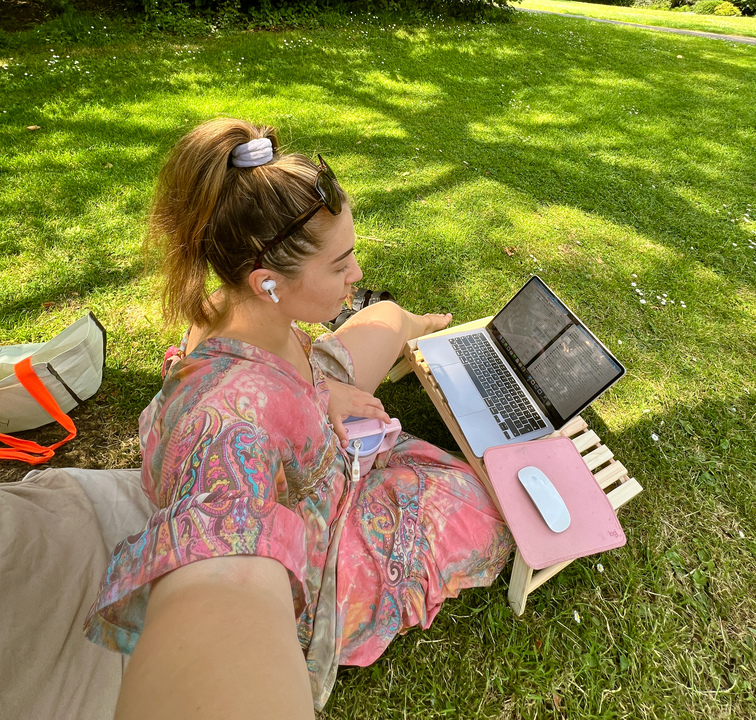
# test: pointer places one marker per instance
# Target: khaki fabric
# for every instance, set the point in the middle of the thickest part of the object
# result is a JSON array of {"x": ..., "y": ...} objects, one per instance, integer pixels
[{"x": 57, "y": 528}]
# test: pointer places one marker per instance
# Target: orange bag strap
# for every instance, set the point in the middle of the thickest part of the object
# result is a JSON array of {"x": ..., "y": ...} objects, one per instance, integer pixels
[{"x": 27, "y": 450}]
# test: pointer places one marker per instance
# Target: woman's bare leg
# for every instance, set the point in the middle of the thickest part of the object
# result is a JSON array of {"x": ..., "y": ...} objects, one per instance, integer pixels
[{"x": 376, "y": 335}]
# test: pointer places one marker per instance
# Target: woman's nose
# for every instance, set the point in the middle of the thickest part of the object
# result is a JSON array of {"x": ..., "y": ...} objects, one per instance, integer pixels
[{"x": 356, "y": 273}]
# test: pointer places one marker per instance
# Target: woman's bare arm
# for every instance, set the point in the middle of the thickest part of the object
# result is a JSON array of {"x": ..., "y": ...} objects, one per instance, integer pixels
[
  {"x": 376, "y": 335},
  {"x": 219, "y": 641}
]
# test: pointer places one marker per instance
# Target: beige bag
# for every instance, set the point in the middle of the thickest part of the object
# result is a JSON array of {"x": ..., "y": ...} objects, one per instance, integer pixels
[{"x": 41, "y": 382}]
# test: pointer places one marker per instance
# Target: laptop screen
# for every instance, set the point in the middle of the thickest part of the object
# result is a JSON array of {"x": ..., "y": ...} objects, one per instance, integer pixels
[{"x": 566, "y": 366}]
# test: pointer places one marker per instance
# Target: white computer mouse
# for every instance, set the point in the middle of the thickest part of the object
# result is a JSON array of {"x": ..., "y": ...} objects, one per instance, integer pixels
[{"x": 546, "y": 498}]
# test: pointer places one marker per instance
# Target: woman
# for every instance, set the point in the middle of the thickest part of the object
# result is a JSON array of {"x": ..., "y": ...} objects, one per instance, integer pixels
[{"x": 243, "y": 454}]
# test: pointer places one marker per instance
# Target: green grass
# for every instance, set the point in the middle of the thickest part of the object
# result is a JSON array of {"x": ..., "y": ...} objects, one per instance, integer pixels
[
  {"x": 592, "y": 154},
  {"x": 743, "y": 26}
]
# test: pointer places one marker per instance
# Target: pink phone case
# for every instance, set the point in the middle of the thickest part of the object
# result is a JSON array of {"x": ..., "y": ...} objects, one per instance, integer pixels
[{"x": 378, "y": 438}]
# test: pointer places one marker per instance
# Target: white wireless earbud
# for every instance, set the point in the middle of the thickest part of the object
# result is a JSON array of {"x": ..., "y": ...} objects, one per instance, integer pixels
[{"x": 270, "y": 287}]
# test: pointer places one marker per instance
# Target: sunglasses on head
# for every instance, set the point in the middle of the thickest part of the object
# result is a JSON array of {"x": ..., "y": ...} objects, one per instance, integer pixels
[{"x": 328, "y": 197}]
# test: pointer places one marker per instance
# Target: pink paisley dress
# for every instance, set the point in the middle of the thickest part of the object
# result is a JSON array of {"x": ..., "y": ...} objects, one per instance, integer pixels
[{"x": 240, "y": 459}]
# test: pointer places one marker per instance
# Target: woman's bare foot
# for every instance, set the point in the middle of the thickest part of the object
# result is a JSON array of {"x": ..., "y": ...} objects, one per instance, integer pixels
[{"x": 436, "y": 321}]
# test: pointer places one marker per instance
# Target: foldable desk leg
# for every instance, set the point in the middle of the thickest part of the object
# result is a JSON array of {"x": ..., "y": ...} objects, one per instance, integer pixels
[
  {"x": 519, "y": 583},
  {"x": 402, "y": 368}
]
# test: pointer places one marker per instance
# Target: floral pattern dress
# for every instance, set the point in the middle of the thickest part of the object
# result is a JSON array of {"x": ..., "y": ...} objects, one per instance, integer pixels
[{"x": 240, "y": 459}]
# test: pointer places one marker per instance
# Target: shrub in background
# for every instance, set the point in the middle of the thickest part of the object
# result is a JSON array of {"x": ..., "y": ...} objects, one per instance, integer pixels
[
  {"x": 100, "y": 21},
  {"x": 271, "y": 13},
  {"x": 726, "y": 8},
  {"x": 175, "y": 17},
  {"x": 706, "y": 7},
  {"x": 741, "y": 7},
  {"x": 654, "y": 4}
]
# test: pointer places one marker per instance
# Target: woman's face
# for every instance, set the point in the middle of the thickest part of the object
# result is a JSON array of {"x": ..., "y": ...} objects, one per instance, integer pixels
[{"x": 318, "y": 292}]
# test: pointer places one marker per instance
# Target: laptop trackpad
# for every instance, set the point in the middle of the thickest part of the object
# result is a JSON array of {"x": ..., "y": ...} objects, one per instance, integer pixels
[{"x": 460, "y": 391}]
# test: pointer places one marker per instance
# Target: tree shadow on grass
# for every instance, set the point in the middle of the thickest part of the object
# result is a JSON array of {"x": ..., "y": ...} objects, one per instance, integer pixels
[
  {"x": 578, "y": 156},
  {"x": 591, "y": 157}
]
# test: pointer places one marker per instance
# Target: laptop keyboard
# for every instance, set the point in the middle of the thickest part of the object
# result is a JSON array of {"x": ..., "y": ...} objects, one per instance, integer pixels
[{"x": 509, "y": 405}]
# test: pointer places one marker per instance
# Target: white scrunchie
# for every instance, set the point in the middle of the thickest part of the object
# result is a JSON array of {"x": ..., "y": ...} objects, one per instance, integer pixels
[{"x": 253, "y": 153}]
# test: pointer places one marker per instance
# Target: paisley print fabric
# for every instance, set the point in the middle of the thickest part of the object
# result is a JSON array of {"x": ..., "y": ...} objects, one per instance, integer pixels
[{"x": 240, "y": 459}]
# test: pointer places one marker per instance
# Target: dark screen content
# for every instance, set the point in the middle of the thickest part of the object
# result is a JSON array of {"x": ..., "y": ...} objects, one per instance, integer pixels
[{"x": 561, "y": 361}]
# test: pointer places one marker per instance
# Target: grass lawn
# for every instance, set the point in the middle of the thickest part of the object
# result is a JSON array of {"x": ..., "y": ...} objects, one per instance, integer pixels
[
  {"x": 744, "y": 26},
  {"x": 616, "y": 163}
]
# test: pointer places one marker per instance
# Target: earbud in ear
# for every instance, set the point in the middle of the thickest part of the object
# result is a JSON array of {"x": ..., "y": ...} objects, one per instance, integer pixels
[{"x": 270, "y": 287}]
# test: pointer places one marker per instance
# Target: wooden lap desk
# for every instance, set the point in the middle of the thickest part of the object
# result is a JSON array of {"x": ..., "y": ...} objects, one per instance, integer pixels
[{"x": 610, "y": 474}]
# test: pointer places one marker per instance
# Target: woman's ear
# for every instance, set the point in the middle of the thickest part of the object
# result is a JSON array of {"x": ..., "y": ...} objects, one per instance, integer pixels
[{"x": 263, "y": 284}]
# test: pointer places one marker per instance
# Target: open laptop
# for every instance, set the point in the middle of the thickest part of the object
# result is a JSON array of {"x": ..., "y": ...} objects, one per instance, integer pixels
[{"x": 524, "y": 375}]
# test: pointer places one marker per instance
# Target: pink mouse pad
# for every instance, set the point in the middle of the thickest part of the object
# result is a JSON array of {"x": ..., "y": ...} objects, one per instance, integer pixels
[{"x": 593, "y": 525}]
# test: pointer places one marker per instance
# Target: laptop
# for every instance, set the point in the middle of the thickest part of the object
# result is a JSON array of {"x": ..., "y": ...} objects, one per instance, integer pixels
[{"x": 530, "y": 370}]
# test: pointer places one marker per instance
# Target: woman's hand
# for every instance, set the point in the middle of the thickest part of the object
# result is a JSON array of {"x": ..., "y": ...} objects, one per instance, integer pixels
[{"x": 346, "y": 400}]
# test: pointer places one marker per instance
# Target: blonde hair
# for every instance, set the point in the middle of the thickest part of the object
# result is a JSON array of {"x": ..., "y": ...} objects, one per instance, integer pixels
[{"x": 208, "y": 214}]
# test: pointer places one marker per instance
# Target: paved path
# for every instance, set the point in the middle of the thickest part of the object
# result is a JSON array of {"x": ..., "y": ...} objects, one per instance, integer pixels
[{"x": 676, "y": 31}]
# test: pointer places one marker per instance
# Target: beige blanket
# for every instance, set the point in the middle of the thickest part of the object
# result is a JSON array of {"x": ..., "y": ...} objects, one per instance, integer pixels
[{"x": 57, "y": 528}]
